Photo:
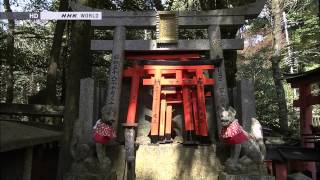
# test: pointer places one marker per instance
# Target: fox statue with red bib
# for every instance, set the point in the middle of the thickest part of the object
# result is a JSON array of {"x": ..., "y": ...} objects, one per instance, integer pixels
[{"x": 249, "y": 145}]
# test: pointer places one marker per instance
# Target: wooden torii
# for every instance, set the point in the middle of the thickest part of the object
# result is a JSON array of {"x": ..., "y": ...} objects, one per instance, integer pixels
[
  {"x": 303, "y": 82},
  {"x": 211, "y": 20}
]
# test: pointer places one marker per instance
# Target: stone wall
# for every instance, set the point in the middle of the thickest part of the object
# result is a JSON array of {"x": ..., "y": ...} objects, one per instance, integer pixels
[{"x": 169, "y": 162}]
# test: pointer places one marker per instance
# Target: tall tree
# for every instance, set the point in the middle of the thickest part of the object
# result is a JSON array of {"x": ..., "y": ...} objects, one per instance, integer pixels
[
  {"x": 276, "y": 11},
  {"x": 79, "y": 67},
  {"x": 54, "y": 57},
  {"x": 10, "y": 54}
]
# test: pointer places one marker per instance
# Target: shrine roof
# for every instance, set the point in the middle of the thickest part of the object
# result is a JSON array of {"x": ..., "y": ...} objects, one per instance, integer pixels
[
  {"x": 15, "y": 135},
  {"x": 308, "y": 77}
]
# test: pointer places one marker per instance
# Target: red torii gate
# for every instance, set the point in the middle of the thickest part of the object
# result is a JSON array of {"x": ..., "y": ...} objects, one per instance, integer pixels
[
  {"x": 305, "y": 102},
  {"x": 171, "y": 84}
]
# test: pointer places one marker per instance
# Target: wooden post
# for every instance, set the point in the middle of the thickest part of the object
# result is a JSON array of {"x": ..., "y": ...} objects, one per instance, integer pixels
[
  {"x": 202, "y": 113},
  {"x": 305, "y": 122},
  {"x": 156, "y": 105},
  {"x": 162, "y": 118},
  {"x": 187, "y": 109},
  {"x": 111, "y": 108},
  {"x": 281, "y": 170},
  {"x": 195, "y": 112},
  {"x": 220, "y": 93},
  {"x": 28, "y": 164},
  {"x": 133, "y": 101},
  {"x": 168, "y": 122}
]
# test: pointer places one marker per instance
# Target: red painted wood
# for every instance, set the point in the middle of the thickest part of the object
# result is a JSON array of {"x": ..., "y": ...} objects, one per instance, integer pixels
[
  {"x": 130, "y": 71},
  {"x": 163, "y": 108},
  {"x": 179, "y": 82},
  {"x": 195, "y": 112},
  {"x": 202, "y": 113},
  {"x": 310, "y": 100},
  {"x": 203, "y": 67},
  {"x": 168, "y": 120},
  {"x": 306, "y": 122},
  {"x": 281, "y": 171},
  {"x": 164, "y": 56},
  {"x": 187, "y": 109},
  {"x": 133, "y": 101},
  {"x": 305, "y": 112},
  {"x": 268, "y": 163},
  {"x": 156, "y": 103}
]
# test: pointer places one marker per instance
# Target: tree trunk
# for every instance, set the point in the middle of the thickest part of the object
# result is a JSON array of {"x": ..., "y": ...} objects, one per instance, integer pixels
[
  {"x": 79, "y": 67},
  {"x": 158, "y": 5},
  {"x": 276, "y": 57},
  {"x": 54, "y": 58},
  {"x": 10, "y": 54}
]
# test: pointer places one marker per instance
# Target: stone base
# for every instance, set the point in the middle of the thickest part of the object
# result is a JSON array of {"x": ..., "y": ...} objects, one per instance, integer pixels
[
  {"x": 88, "y": 176},
  {"x": 169, "y": 162},
  {"x": 173, "y": 161},
  {"x": 225, "y": 176}
]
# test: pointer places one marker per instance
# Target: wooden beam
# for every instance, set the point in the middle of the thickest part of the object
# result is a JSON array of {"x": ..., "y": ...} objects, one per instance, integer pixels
[
  {"x": 178, "y": 82},
  {"x": 309, "y": 100},
  {"x": 162, "y": 67},
  {"x": 140, "y": 45},
  {"x": 183, "y": 21},
  {"x": 31, "y": 109},
  {"x": 250, "y": 11}
]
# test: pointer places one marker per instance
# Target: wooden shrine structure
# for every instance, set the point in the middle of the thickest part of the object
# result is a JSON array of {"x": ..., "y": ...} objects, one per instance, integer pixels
[
  {"x": 173, "y": 67},
  {"x": 286, "y": 159},
  {"x": 309, "y": 132}
]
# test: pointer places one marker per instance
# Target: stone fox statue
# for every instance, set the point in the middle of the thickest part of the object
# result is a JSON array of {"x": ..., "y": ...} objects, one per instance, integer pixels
[{"x": 249, "y": 145}]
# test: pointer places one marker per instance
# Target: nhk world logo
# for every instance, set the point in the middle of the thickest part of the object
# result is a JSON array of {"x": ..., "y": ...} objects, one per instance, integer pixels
[{"x": 49, "y": 15}]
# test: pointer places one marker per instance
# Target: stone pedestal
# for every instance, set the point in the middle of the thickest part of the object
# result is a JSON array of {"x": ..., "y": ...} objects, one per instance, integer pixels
[
  {"x": 174, "y": 161},
  {"x": 169, "y": 162},
  {"x": 225, "y": 176}
]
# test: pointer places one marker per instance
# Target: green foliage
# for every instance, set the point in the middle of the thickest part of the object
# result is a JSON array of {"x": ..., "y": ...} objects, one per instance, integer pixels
[
  {"x": 33, "y": 40},
  {"x": 305, "y": 36},
  {"x": 259, "y": 24},
  {"x": 254, "y": 62},
  {"x": 258, "y": 68}
]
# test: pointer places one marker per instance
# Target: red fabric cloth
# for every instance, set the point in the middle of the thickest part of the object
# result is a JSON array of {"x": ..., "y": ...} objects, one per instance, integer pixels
[
  {"x": 103, "y": 133},
  {"x": 234, "y": 133}
]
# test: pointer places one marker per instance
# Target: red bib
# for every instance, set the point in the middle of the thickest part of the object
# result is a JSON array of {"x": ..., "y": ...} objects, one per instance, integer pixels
[
  {"x": 234, "y": 133},
  {"x": 103, "y": 133}
]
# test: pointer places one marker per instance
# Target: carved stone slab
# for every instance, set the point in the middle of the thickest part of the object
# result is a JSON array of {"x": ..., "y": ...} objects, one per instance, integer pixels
[
  {"x": 246, "y": 103},
  {"x": 111, "y": 109},
  {"x": 220, "y": 93},
  {"x": 86, "y": 110}
]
